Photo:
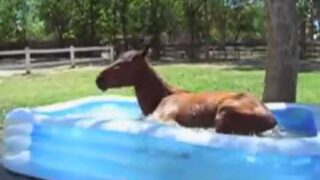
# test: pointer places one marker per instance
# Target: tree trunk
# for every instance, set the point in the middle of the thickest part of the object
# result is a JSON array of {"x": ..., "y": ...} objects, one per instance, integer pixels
[
  {"x": 207, "y": 29},
  {"x": 224, "y": 34},
  {"x": 115, "y": 20},
  {"x": 192, "y": 49},
  {"x": 155, "y": 43},
  {"x": 123, "y": 15},
  {"x": 311, "y": 19},
  {"x": 93, "y": 17},
  {"x": 194, "y": 34},
  {"x": 191, "y": 13},
  {"x": 282, "y": 51},
  {"x": 59, "y": 31},
  {"x": 303, "y": 39}
]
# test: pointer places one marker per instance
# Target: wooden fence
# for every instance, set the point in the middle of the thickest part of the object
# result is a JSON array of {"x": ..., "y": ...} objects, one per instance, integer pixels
[
  {"x": 107, "y": 53},
  {"x": 233, "y": 51}
]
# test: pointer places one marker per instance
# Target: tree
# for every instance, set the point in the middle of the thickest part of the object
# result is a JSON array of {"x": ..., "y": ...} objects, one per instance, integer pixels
[
  {"x": 282, "y": 51},
  {"x": 306, "y": 24},
  {"x": 155, "y": 31},
  {"x": 85, "y": 23},
  {"x": 124, "y": 5},
  {"x": 98, "y": 21},
  {"x": 13, "y": 20},
  {"x": 192, "y": 16},
  {"x": 246, "y": 22},
  {"x": 209, "y": 10},
  {"x": 57, "y": 16}
]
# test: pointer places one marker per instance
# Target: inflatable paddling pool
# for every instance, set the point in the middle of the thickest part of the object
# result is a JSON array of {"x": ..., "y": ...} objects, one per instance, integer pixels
[{"x": 104, "y": 138}]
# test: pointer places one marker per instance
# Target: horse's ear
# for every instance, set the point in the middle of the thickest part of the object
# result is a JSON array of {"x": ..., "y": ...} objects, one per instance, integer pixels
[{"x": 145, "y": 51}]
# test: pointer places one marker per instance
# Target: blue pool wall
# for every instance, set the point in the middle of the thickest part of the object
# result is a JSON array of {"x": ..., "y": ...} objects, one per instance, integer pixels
[{"x": 42, "y": 142}]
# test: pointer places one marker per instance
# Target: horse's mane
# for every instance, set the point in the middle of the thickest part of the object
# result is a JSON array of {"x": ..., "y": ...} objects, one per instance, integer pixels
[{"x": 170, "y": 88}]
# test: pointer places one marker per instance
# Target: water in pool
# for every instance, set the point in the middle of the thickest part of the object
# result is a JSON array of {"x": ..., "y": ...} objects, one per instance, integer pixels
[{"x": 102, "y": 111}]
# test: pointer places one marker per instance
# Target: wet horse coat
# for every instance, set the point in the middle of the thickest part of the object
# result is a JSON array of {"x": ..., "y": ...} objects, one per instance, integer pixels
[{"x": 228, "y": 112}]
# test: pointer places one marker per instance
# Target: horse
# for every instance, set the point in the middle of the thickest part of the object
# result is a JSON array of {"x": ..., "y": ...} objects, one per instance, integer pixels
[{"x": 228, "y": 112}]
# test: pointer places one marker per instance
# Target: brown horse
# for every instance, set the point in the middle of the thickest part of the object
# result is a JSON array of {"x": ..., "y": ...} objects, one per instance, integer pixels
[{"x": 228, "y": 112}]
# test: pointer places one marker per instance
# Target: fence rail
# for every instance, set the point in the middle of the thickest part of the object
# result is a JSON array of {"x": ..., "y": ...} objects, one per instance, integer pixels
[
  {"x": 232, "y": 51},
  {"x": 27, "y": 52},
  {"x": 12, "y": 53}
]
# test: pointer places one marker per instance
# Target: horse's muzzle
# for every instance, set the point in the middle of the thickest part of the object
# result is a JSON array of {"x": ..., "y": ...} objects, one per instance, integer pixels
[{"x": 101, "y": 84}]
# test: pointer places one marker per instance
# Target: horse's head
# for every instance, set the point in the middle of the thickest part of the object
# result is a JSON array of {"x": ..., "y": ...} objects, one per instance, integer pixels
[{"x": 124, "y": 71}]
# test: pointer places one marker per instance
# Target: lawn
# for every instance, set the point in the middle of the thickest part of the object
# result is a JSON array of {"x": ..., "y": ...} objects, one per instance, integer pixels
[{"x": 40, "y": 88}]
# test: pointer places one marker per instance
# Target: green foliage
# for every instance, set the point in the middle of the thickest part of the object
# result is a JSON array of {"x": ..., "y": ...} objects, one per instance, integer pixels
[
  {"x": 247, "y": 22},
  {"x": 303, "y": 7},
  {"x": 13, "y": 19},
  {"x": 104, "y": 20},
  {"x": 57, "y": 16}
]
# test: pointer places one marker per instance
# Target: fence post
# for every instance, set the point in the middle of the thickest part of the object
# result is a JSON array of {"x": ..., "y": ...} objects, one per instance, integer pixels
[
  {"x": 72, "y": 57},
  {"x": 111, "y": 53},
  {"x": 28, "y": 60}
]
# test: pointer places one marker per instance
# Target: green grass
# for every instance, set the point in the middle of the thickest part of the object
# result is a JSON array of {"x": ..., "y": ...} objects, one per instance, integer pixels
[{"x": 40, "y": 89}]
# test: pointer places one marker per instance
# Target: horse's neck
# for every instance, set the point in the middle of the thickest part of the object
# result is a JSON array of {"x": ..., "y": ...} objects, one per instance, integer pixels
[{"x": 150, "y": 91}]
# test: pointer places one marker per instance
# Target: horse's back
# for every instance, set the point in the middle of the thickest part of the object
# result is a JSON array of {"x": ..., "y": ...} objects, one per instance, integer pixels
[
  {"x": 241, "y": 112},
  {"x": 191, "y": 109}
]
